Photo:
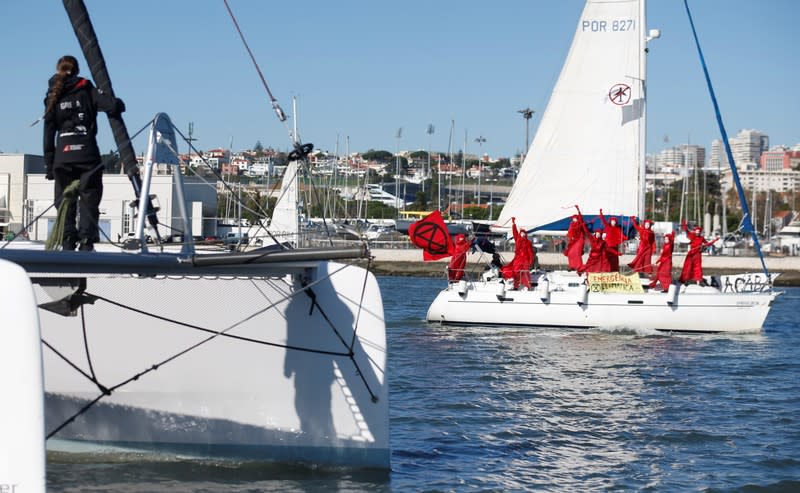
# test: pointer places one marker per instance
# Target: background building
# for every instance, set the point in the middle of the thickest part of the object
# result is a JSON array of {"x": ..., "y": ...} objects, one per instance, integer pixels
[
  {"x": 29, "y": 198},
  {"x": 13, "y": 187}
]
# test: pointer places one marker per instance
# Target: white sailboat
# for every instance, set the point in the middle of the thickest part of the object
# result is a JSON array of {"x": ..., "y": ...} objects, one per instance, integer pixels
[
  {"x": 272, "y": 355},
  {"x": 589, "y": 150}
]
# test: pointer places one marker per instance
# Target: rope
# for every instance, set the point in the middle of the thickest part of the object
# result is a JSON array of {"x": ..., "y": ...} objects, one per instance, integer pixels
[
  {"x": 69, "y": 196},
  {"x": 351, "y": 353},
  {"x": 747, "y": 223}
]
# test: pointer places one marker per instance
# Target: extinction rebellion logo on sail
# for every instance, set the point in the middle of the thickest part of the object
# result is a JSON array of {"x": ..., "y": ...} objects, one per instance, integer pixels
[{"x": 614, "y": 282}]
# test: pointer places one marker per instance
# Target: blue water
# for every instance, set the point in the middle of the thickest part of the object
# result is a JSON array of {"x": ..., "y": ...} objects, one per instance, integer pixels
[{"x": 511, "y": 409}]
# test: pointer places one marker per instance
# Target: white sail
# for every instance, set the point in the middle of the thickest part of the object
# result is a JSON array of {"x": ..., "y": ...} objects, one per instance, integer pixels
[
  {"x": 588, "y": 148},
  {"x": 284, "y": 226}
]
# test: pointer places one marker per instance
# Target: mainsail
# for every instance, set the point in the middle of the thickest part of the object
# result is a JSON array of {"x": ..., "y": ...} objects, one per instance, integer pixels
[
  {"x": 588, "y": 149},
  {"x": 283, "y": 225}
]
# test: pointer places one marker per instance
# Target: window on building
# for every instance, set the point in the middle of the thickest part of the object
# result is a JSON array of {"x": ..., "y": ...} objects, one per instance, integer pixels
[{"x": 126, "y": 217}]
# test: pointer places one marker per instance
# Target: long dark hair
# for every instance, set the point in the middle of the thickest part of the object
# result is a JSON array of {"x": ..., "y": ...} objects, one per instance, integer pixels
[{"x": 67, "y": 66}]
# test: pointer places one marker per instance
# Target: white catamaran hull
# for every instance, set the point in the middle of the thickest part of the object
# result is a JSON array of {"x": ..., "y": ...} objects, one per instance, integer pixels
[
  {"x": 687, "y": 309},
  {"x": 240, "y": 395}
]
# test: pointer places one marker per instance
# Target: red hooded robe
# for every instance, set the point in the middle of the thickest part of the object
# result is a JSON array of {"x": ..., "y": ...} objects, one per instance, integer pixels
[
  {"x": 520, "y": 266},
  {"x": 575, "y": 243},
  {"x": 664, "y": 264},
  {"x": 598, "y": 254},
  {"x": 455, "y": 270},
  {"x": 614, "y": 238},
  {"x": 642, "y": 262},
  {"x": 693, "y": 264}
]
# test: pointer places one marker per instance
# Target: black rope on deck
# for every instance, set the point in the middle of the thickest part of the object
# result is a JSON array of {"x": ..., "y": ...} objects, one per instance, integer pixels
[
  {"x": 86, "y": 344},
  {"x": 91, "y": 378},
  {"x": 350, "y": 353}
]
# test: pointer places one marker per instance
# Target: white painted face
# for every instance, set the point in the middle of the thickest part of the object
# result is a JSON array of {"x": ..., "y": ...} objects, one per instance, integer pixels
[
  {"x": 604, "y": 235},
  {"x": 613, "y": 222},
  {"x": 647, "y": 225}
]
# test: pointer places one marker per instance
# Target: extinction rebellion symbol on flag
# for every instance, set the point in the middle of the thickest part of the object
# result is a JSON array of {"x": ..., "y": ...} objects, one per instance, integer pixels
[
  {"x": 430, "y": 233},
  {"x": 620, "y": 94}
]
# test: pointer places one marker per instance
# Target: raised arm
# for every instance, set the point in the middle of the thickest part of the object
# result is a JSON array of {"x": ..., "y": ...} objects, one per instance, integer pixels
[
  {"x": 514, "y": 229},
  {"x": 636, "y": 225},
  {"x": 603, "y": 219}
]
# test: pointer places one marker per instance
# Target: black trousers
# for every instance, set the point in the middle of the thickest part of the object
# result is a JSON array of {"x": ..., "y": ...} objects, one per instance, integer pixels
[{"x": 90, "y": 191}]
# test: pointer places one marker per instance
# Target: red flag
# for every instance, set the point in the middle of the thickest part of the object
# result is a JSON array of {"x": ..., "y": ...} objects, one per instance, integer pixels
[{"x": 430, "y": 234}]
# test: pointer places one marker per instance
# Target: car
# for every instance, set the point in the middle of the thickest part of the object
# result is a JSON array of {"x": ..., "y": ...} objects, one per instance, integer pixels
[{"x": 232, "y": 239}]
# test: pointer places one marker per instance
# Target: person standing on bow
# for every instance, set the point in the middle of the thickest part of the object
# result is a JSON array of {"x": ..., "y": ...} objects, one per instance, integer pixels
[
  {"x": 614, "y": 238},
  {"x": 575, "y": 242},
  {"x": 693, "y": 264},
  {"x": 70, "y": 148},
  {"x": 458, "y": 262},
  {"x": 664, "y": 264},
  {"x": 520, "y": 266},
  {"x": 642, "y": 262}
]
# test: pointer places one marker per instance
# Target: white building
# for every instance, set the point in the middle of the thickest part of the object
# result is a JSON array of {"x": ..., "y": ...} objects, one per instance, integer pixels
[
  {"x": 682, "y": 156},
  {"x": 13, "y": 190},
  {"x": 783, "y": 180},
  {"x": 30, "y": 196},
  {"x": 746, "y": 148}
]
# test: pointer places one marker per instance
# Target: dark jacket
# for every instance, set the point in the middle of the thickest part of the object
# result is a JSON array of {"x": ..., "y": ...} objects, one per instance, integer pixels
[{"x": 73, "y": 119}]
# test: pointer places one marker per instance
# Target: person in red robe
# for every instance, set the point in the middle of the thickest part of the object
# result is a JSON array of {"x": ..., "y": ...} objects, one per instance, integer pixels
[
  {"x": 664, "y": 264},
  {"x": 455, "y": 270},
  {"x": 614, "y": 238},
  {"x": 575, "y": 242},
  {"x": 598, "y": 253},
  {"x": 519, "y": 269},
  {"x": 643, "y": 261},
  {"x": 693, "y": 264}
]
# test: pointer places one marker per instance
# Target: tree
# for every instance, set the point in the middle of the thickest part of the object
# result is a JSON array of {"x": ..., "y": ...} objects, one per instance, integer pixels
[
  {"x": 258, "y": 148},
  {"x": 379, "y": 210},
  {"x": 379, "y": 156},
  {"x": 420, "y": 201},
  {"x": 476, "y": 213},
  {"x": 458, "y": 158},
  {"x": 112, "y": 161},
  {"x": 419, "y": 155}
]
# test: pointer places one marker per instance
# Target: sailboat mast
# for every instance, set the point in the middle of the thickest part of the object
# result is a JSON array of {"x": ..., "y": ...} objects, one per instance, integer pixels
[
  {"x": 450, "y": 161},
  {"x": 295, "y": 178},
  {"x": 463, "y": 173},
  {"x": 643, "y": 125},
  {"x": 439, "y": 181}
]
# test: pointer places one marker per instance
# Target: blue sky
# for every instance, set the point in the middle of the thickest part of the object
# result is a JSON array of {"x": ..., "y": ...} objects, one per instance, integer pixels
[{"x": 363, "y": 68}]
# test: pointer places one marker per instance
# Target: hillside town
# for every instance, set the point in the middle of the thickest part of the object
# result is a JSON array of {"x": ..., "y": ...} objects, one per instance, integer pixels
[{"x": 682, "y": 182}]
